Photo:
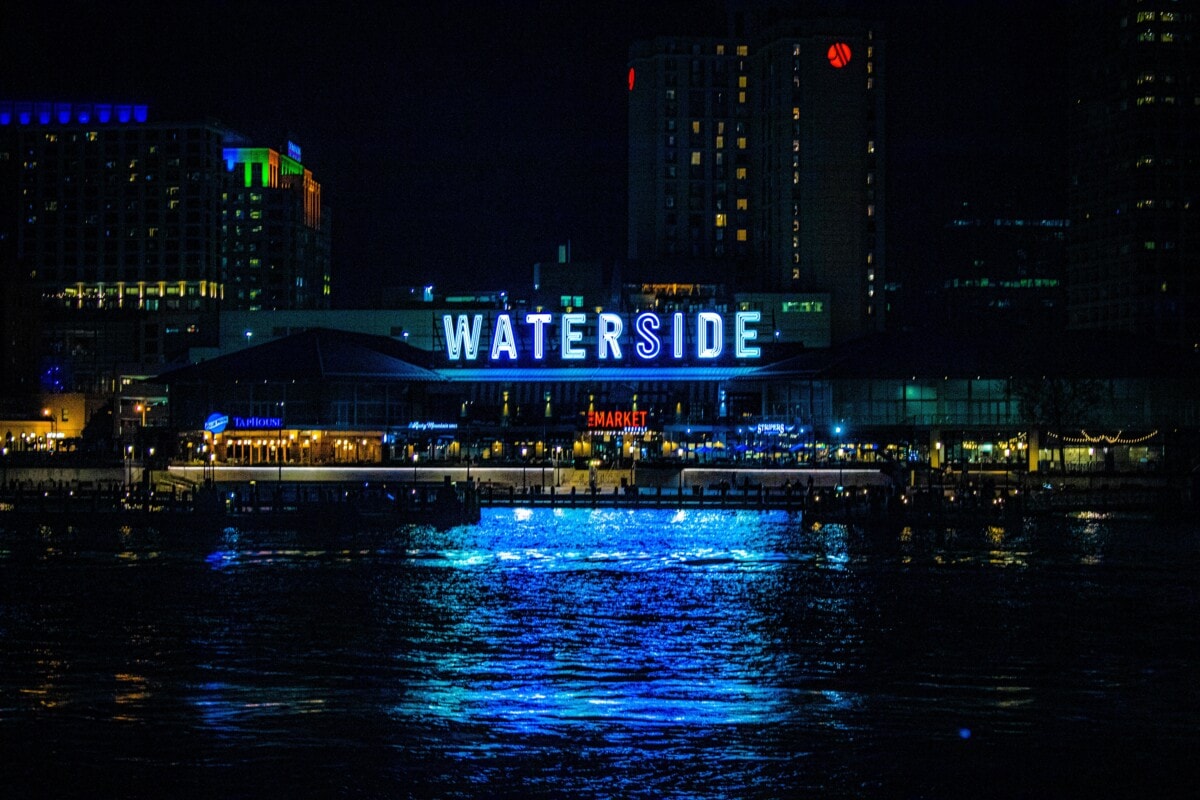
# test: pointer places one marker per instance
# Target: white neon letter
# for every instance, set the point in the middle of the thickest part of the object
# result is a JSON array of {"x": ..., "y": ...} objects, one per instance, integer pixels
[
  {"x": 742, "y": 334},
  {"x": 677, "y": 334},
  {"x": 503, "y": 340},
  {"x": 709, "y": 334},
  {"x": 458, "y": 338},
  {"x": 539, "y": 322},
  {"x": 646, "y": 326},
  {"x": 611, "y": 326},
  {"x": 570, "y": 336}
]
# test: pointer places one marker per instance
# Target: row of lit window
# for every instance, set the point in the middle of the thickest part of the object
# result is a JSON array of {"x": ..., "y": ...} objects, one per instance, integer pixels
[
  {"x": 1151, "y": 36},
  {"x": 1150, "y": 16}
]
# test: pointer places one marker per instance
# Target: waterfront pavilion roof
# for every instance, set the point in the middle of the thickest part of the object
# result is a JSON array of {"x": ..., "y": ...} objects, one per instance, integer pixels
[
  {"x": 933, "y": 353},
  {"x": 315, "y": 355}
]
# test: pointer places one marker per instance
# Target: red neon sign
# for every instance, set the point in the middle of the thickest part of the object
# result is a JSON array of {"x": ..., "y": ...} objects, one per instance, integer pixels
[
  {"x": 607, "y": 420},
  {"x": 839, "y": 54}
]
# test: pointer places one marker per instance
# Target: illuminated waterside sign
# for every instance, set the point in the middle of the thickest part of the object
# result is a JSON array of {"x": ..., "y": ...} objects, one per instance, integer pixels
[{"x": 649, "y": 338}]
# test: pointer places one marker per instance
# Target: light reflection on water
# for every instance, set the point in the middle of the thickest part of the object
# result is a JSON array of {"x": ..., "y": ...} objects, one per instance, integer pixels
[{"x": 604, "y": 653}]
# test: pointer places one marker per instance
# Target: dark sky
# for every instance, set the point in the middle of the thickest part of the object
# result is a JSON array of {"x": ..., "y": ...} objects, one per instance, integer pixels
[{"x": 460, "y": 143}]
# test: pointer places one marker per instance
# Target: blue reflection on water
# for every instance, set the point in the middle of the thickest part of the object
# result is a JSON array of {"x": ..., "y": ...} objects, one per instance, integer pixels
[{"x": 582, "y": 618}]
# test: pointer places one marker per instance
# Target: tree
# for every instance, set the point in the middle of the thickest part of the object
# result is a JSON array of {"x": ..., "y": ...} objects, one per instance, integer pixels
[{"x": 1058, "y": 403}]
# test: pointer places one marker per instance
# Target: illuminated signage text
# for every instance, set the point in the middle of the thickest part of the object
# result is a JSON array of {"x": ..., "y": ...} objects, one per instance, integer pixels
[{"x": 608, "y": 337}]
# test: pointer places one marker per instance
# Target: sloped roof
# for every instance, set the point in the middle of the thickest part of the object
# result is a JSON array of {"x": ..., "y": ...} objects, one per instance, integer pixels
[
  {"x": 315, "y": 355},
  {"x": 989, "y": 353}
]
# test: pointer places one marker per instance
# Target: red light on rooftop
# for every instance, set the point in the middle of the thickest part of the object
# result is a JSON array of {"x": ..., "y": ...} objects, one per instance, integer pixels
[
  {"x": 839, "y": 54},
  {"x": 631, "y": 77}
]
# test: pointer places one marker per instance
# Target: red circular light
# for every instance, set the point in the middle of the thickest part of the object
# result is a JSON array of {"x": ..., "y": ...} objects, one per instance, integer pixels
[
  {"x": 631, "y": 79},
  {"x": 839, "y": 54}
]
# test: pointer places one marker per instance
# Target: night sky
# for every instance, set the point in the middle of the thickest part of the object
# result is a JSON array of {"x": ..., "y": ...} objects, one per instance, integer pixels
[{"x": 461, "y": 143}]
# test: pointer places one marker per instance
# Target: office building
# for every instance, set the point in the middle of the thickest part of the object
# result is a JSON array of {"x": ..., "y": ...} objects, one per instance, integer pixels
[
  {"x": 757, "y": 162},
  {"x": 1134, "y": 133}
]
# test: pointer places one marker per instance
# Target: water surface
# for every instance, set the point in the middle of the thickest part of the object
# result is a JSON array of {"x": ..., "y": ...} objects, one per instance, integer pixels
[{"x": 603, "y": 653}]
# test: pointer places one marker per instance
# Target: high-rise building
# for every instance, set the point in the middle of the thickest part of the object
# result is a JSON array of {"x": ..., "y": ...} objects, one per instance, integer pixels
[
  {"x": 116, "y": 211},
  {"x": 1132, "y": 256},
  {"x": 275, "y": 230},
  {"x": 136, "y": 233},
  {"x": 756, "y": 162}
]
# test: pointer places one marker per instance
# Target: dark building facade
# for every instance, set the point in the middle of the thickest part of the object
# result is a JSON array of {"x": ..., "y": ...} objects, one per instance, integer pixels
[
  {"x": 275, "y": 232},
  {"x": 136, "y": 233},
  {"x": 756, "y": 162},
  {"x": 1134, "y": 169}
]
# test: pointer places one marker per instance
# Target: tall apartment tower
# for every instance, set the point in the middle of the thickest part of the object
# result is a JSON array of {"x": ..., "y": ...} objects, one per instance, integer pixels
[
  {"x": 756, "y": 162},
  {"x": 1132, "y": 258},
  {"x": 275, "y": 230}
]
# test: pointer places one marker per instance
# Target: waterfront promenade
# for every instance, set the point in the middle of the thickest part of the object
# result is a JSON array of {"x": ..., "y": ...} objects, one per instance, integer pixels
[{"x": 375, "y": 491}]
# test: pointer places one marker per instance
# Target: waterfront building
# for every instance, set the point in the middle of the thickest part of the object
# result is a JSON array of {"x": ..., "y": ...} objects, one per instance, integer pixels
[
  {"x": 969, "y": 402},
  {"x": 756, "y": 162},
  {"x": 1134, "y": 176}
]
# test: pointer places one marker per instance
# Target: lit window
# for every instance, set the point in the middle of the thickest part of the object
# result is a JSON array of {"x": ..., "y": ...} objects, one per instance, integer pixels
[
  {"x": 1147, "y": 100},
  {"x": 741, "y": 142},
  {"x": 695, "y": 126},
  {"x": 795, "y": 273},
  {"x": 695, "y": 158},
  {"x": 742, "y": 79},
  {"x": 870, "y": 210},
  {"x": 720, "y": 221},
  {"x": 720, "y": 49},
  {"x": 743, "y": 50},
  {"x": 720, "y": 142},
  {"x": 1145, "y": 16},
  {"x": 741, "y": 97},
  {"x": 741, "y": 234},
  {"x": 870, "y": 145},
  {"x": 742, "y": 204},
  {"x": 741, "y": 173},
  {"x": 795, "y": 112}
]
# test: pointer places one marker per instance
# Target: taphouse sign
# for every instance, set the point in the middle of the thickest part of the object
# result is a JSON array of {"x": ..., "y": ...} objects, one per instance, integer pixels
[{"x": 649, "y": 338}]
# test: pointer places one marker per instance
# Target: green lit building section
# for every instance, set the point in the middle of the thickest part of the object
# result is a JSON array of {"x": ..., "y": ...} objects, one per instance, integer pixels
[{"x": 270, "y": 164}]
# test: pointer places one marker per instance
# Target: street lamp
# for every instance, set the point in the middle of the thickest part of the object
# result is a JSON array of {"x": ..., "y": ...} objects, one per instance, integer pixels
[{"x": 46, "y": 412}]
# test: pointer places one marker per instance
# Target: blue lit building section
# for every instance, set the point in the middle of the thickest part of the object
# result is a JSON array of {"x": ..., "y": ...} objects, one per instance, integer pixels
[{"x": 47, "y": 113}]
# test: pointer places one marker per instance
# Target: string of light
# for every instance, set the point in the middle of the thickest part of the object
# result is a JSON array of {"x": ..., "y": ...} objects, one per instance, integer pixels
[{"x": 1087, "y": 438}]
